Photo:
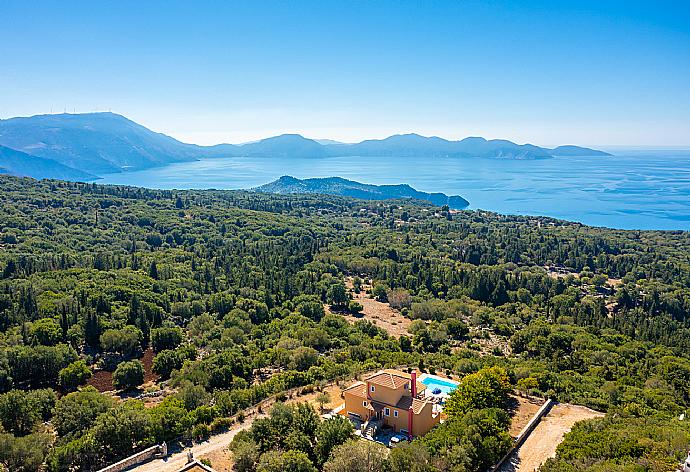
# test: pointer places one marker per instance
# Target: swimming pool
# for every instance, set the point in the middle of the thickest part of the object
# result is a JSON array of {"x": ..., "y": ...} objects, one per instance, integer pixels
[{"x": 434, "y": 383}]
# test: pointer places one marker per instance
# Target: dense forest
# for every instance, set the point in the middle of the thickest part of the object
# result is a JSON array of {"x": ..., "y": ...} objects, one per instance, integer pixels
[{"x": 228, "y": 290}]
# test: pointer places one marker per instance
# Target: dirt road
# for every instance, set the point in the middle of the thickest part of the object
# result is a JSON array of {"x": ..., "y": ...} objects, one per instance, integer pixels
[
  {"x": 542, "y": 443},
  {"x": 216, "y": 448},
  {"x": 213, "y": 446}
]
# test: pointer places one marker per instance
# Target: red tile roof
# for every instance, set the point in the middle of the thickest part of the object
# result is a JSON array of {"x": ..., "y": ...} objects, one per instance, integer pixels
[
  {"x": 394, "y": 379},
  {"x": 389, "y": 379},
  {"x": 358, "y": 389},
  {"x": 417, "y": 405}
]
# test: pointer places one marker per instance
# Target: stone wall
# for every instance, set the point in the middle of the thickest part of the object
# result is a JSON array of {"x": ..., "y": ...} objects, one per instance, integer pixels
[
  {"x": 526, "y": 431},
  {"x": 143, "y": 456}
]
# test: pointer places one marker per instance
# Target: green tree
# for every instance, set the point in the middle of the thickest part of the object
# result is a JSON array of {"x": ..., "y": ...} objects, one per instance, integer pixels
[
  {"x": 166, "y": 338},
  {"x": 193, "y": 396},
  {"x": 92, "y": 330},
  {"x": 169, "y": 419},
  {"x": 473, "y": 441},
  {"x": 37, "y": 365},
  {"x": 380, "y": 292},
  {"x": 322, "y": 399},
  {"x": 309, "y": 306},
  {"x": 122, "y": 429},
  {"x": 128, "y": 374},
  {"x": 165, "y": 362},
  {"x": 76, "y": 412},
  {"x": 18, "y": 413},
  {"x": 23, "y": 454},
  {"x": 288, "y": 461},
  {"x": 355, "y": 307},
  {"x": 487, "y": 388},
  {"x": 78, "y": 454},
  {"x": 330, "y": 434},
  {"x": 125, "y": 342},
  {"x": 410, "y": 457},
  {"x": 46, "y": 331},
  {"x": 245, "y": 452},
  {"x": 356, "y": 456},
  {"x": 456, "y": 328},
  {"x": 337, "y": 295},
  {"x": 304, "y": 357},
  {"x": 74, "y": 375}
]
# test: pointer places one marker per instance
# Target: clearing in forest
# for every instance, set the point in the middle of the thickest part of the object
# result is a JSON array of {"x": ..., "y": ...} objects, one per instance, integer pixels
[{"x": 379, "y": 313}]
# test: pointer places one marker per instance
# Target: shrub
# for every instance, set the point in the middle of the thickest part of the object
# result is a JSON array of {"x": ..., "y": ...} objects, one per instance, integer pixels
[
  {"x": 201, "y": 431},
  {"x": 166, "y": 338},
  {"x": 126, "y": 341},
  {"x": 128, "y": 375},
  {"x": 221, "y": 424},
  {"x": 355, "y": 307},
  {"x": 380, "y": 293},
  {"x": 74, "y": 375},
  {"x": 165, "y": 362}
]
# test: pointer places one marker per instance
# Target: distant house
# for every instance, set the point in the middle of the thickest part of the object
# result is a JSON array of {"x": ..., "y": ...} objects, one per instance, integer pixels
[{"x": 392, "y": 398}]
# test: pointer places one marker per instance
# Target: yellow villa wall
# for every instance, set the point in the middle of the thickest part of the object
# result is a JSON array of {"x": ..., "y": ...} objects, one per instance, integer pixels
[
  {"x": 396, "y": 423},
  {"x": 354, "y": 404},
  {"x": 422, "y": 423},
  {"x": 384, "y": 394}
]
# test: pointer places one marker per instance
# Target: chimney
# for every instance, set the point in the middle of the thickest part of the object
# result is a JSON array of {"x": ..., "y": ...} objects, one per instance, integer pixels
[{"x": 413, "y": 384}]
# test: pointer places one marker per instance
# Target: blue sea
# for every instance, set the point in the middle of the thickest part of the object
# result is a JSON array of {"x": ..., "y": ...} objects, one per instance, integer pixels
[{"x": 630, "y": 190}]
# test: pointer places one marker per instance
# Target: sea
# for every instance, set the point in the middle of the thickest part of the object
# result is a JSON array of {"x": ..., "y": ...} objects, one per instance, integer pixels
[{"x": 638, "y": 189}]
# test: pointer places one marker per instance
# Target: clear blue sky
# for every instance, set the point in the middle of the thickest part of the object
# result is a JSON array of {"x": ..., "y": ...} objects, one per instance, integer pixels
[{"x": 546, "y": 72}]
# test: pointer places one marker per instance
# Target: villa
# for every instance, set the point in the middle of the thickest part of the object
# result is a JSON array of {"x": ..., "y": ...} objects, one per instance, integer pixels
[{"x": 391, "y": 398}]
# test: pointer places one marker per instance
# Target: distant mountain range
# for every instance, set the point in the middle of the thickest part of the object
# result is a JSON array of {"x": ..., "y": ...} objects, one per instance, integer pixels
[
  {"x": 20, "y": 163},
  {"x": 97, "y": 143},
  {"x": 350, "y": 188},
  {"x": 83, "y": 146}
]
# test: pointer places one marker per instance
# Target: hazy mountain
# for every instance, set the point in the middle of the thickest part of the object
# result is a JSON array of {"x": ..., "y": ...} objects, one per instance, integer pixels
[
  {"x": 99, "y": 143},
  {"x": 21, "y": 164},
  {"x": 576, "y": 151},
  {"x": 403, "y": 145},
  {"x": 414, "y": 145},
  {"x": 94, "y": 142},
  {"x": 285, "y": 145},
  {"x": 328, "y": 141},
  {"x": 350, "y": 188},
  {"x": 221, "y": 150},
  {"x": 501, "y": 148}
]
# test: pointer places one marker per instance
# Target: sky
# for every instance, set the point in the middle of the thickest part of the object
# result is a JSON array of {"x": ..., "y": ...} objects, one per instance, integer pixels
[{"x": 544, "y": 72}]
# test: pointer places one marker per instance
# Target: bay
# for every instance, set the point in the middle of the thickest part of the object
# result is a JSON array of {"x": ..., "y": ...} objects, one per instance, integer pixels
[{"x": 631, "y": 190}]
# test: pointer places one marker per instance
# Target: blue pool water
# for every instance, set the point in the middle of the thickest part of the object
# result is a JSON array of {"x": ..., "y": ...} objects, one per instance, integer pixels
[{"x": 445, "y": 386}]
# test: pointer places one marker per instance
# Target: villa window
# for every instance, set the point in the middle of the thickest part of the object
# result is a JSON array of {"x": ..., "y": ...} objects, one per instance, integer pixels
[
  {"x": 395, "y": 413},
  {"x": 373, "y": 389},
  {"x": 364, "y": 403},
  {"x": 388, "y": 411}
]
